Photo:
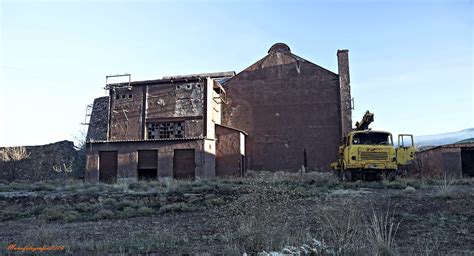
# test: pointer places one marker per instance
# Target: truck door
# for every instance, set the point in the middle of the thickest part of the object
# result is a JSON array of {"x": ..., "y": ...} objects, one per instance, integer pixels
[{"x": 406, "y": 149}]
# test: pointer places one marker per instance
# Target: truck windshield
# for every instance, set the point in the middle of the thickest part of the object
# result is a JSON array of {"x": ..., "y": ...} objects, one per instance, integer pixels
[{"x": 372, "y": 138}]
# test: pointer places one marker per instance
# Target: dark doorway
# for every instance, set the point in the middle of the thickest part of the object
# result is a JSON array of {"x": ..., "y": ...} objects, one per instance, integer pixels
[
  {"x": 183, "y": 164},
  {"x": 467, "y": 159},
  {"x": 108, "y": 166},
  {"x": 147, "y": 164}
]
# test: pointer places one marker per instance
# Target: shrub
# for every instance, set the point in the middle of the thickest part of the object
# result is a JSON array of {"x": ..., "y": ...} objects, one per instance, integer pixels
[
  {"x": 110, "y": 203},
  {"x": 104, "y": 214},
  {"x": 85, "y": 207},
  {"x": 214, "y": 202},
  {"x": 127, "y": 212},
  {"x": 11, "y": 214},
  {"x": 138, "y": 186},
  {"x": 70, "y": 216},
  {"x": 144, "y": 211},
  {"x": 43, "y": 187},
  {"x": 126, "y": 203},
  {"x": 60, "y": 213},
  {"x": 52, "y": 214},
  {"x": 176, "y": 207}
]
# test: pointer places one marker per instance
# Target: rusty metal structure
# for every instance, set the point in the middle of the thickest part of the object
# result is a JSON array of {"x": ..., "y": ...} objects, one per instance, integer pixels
[
  {"x": 280, "y": 113},
  {"x": 367, "y": 119}
]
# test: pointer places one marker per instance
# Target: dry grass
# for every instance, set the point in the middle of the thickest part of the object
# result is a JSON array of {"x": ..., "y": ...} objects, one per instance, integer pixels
[
  {"x": 261, "y": 210},
  {"x": 381, "y": 231},
  {"x": 445, "y": 187}
]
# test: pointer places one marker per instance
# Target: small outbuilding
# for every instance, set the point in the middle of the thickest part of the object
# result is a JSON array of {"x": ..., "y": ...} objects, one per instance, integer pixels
[{"x": 453, "y": 160}]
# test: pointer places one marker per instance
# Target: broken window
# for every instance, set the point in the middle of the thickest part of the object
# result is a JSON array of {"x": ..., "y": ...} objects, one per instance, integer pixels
[
  {"x": 166, "y": 130},
  {"x": 152, "y": 131},
  {"x": 372, "y": 138},
  {"x": 179, "y": 130},
  {"x": 123, "y": 96}
]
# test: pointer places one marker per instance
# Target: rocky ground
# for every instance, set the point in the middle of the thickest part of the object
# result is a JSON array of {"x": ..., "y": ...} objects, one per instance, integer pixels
[{"x": 265, "y": 212}]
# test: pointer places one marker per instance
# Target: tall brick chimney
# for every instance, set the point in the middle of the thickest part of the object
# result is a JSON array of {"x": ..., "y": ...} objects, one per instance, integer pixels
[{"x": 345, "y": 91}]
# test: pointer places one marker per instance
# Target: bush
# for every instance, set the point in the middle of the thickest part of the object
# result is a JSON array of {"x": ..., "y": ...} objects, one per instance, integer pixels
[
  {"x": 214, "y": 202},
  {"x": 127, "y": 212},
  {"x": 138, "y": 186},
  {"x": 41, "y": 186},
  {"x": 144, "y": 211},
  {"x": 86, "y": 207},
  {"x": 70, "y": 216},
  {"x": 177, "y": 207},
  {"x": 110, "y": 203},
  {"x": 104, "y": 214},
  {"x": 60, "y": 213},
  {"x": 11, "y": 214},
  {"x": 127, "y": 203}
]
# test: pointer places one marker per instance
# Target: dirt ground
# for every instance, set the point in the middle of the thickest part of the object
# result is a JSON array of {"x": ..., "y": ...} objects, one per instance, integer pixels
[{"x": 230, "y": 217}]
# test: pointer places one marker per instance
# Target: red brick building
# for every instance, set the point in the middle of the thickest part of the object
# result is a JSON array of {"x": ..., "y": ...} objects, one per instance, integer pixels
[
  {"x": 294, "y": 111},
  {"x": 280, "y": 113}
]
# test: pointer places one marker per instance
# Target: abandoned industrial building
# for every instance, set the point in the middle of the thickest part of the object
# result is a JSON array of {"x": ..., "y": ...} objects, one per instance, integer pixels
[
  {"x": 281, "y": 113},
  {"x": 452, "y": 160}
]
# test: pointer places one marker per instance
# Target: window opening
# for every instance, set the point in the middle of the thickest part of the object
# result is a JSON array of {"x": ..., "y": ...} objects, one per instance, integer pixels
[{"x": 166, "y": 130}]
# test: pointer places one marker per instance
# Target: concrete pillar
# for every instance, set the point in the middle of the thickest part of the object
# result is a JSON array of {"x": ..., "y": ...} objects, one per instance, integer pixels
[{"x": 345, "y": 91}]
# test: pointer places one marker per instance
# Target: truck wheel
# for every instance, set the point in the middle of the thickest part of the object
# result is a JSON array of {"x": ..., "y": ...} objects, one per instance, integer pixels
[
  {"x": 379, "y": 176},
  {"x": 347, "y": 176},
  {"x": 392, "y": 175}
]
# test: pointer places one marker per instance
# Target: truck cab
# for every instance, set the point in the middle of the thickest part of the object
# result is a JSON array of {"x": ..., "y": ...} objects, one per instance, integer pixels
[{"x": 369, "y": 149}]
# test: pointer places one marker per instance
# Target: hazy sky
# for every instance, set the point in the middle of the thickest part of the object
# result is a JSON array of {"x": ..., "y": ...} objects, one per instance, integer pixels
[{"x": 411, "y": 62}]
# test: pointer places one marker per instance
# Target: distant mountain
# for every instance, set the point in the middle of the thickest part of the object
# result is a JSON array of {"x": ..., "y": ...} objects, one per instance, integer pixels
[{"x": 445, "y": 138}]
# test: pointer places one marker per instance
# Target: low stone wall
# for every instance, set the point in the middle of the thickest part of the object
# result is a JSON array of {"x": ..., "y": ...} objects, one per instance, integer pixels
[{"x": 58, "y": 160}]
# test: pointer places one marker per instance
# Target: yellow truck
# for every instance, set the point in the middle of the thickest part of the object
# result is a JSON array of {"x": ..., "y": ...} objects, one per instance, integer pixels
[{"x": 370, "y": 155}]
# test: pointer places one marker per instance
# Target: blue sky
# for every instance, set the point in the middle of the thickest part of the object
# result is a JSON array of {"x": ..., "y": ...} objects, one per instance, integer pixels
[{"x": 411, "y": 62}]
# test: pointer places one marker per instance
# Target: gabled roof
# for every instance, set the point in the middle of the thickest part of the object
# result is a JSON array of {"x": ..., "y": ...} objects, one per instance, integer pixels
[{"x": 279, "y": 54}]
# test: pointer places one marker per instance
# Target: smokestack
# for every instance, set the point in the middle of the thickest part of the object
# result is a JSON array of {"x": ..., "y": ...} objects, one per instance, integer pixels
[{"x": 345, "y": 91}]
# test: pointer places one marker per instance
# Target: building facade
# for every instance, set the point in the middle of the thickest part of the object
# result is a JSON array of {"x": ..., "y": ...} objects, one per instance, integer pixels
[
  {"x": 165, "y": 128},
  {"x": 294, "y": 111},
  {"x": 281, "y": 113}
]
